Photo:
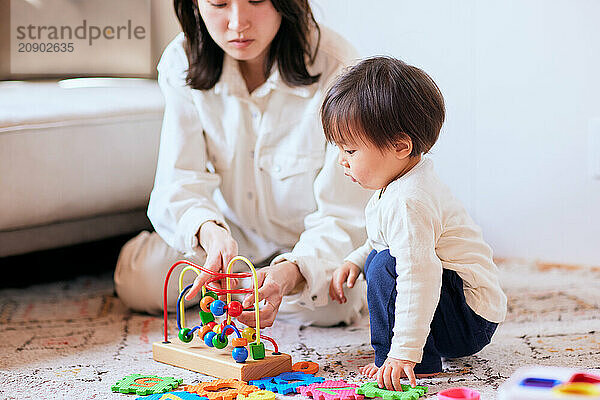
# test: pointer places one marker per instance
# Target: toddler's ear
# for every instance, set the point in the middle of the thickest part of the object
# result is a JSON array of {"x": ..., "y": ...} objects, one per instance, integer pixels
[{"x": 403, "y": 147}]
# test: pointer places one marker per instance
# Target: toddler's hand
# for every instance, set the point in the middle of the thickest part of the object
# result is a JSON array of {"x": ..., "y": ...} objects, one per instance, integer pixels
[
  {"x": 347, "y": 273},
  {"x": 392, "y": 369}
]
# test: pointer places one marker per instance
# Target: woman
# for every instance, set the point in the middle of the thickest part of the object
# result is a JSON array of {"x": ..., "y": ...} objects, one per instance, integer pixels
[{"x": 244, "y": 167}]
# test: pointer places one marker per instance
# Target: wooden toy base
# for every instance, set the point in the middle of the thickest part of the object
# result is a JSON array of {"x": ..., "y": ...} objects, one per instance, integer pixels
[{"x": 219, "y": 363}]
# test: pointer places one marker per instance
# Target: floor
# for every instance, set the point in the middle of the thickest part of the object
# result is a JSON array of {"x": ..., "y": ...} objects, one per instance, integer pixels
[{"x": 74, "y": 339}]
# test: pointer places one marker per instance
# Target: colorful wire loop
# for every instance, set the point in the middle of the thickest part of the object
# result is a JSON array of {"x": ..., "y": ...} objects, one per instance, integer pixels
[{"x": 216, "y": 276}]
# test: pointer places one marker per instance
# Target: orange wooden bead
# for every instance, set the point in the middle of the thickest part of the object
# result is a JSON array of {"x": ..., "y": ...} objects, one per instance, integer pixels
[
  {"x": 205, "y": 303},
  {"x": 204, "y": 330},
  {"x": 308, "y": 367},
  {"x": 239, "y": 342}
]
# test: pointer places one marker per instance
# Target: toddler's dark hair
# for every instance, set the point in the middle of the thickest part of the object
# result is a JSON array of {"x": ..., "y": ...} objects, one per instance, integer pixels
[{"x": 381, "y": 100}]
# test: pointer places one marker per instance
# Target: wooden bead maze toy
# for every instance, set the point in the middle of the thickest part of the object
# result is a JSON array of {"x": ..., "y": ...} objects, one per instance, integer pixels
[{"x": 208, "y": 355}]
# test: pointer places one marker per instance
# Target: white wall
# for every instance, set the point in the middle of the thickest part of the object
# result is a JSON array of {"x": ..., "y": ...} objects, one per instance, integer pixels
[{"x": 521, "y": 79}]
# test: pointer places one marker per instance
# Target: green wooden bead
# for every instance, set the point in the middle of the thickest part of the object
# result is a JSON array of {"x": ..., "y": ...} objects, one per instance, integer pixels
[
  {"x": 185, "y": 336},
  {"x": 217, "y": 341},
  {"x": 206, "y": 317},
  {"x": 257, "y": 350},
  {"x": 211, "y": 294}
]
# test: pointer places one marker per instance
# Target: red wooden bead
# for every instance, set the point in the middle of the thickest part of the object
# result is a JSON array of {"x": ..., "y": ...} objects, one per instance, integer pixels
[
  {"x": 234, "y": 309},
  {"x": 212, "y": 324}
]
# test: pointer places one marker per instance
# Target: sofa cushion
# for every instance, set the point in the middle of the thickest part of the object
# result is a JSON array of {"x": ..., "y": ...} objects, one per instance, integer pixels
[{"x": 76, "y": 149}]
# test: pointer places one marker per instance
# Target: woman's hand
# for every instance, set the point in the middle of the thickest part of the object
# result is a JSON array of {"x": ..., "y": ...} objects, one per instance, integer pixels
[
  {"x": 274, "y": 282},
  {"x": 220, "y": 248},
  {"x": 347, "y": 273},
  {"x": 389, "y": 374}
]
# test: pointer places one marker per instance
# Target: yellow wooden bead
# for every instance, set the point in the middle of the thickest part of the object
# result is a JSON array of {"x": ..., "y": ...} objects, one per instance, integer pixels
[{"x": 249, "y": 334}]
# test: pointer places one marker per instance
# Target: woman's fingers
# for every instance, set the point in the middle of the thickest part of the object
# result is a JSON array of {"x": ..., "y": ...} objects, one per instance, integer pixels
[
  {"x": 271, "y": 293},
  {"x": 249, "y": 299},
  {"x": 212, "y": 263},
  {"x": 267, "y": 315},
  {"x": 228, "y": 254},
  {"x": 197, "y": 285},
  {"x": 233, "y": 283},
  {"x": 248, "y": 317},
  {"x": 268, "y": 312},
  {"x": 220, "y": 248}
]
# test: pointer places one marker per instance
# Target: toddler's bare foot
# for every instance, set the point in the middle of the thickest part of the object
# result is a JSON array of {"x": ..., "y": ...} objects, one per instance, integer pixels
[{"x": 369, "y": 370}]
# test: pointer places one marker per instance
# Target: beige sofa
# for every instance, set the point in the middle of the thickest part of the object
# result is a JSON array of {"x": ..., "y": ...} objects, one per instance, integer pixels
[{"x": 77, "y": 157}]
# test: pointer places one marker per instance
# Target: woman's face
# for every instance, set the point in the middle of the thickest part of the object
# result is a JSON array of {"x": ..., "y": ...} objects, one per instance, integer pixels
[{"x": 244, "y": 29}]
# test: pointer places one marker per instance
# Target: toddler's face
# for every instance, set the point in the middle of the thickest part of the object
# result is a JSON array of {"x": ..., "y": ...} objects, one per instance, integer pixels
[{"x": 369, "y": 166}]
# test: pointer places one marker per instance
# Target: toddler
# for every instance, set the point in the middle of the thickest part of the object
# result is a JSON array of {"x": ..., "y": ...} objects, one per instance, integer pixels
[{"x": 432, "y": 286}]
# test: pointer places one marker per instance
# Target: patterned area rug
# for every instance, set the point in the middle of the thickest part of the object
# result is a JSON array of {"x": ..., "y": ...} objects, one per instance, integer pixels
[{"x": 75, "y": 339}]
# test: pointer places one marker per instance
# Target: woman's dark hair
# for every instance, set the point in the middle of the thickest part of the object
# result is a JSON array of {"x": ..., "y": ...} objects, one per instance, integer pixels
[
  {"x": 382, "y": 100},
  {"x": 291, "y": 47}
]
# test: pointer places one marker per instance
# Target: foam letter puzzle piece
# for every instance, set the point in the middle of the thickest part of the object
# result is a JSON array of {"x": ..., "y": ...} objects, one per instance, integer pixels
[
  {"x": 258, "y": 395},
  {"x": 286, "y": 382},
  {"x": 145, "y": 384},
  {"x": 331, "y": 390},
  {"x": 308, "y": 367},
  {"x": 222, "y": 389},
  {"x": 173, "y": 396},
  {"x": 371, "y": 389}
]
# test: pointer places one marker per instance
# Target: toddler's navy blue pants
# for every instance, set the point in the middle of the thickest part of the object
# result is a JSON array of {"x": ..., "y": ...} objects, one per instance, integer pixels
[{"x": 456, "y": 331}]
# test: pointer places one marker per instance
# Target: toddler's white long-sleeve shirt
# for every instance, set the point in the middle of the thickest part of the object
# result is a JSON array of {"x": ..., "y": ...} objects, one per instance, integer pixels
[
  {"x": 259, "y": 165},
  {"x": 427, "y": 229}
]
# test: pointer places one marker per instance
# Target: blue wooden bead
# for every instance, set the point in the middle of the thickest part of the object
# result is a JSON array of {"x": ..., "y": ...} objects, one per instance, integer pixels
[
  {"x": 239, "y": 354},
  {"x": 217, "y": 307},
  {"x": 208, "y": 339}
]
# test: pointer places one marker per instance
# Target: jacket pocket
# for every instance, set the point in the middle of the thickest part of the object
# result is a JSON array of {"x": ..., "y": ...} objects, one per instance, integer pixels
[
  {"x": 281, "y": 166},
  {"x": 289, "y": 183}
]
